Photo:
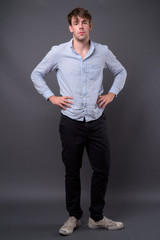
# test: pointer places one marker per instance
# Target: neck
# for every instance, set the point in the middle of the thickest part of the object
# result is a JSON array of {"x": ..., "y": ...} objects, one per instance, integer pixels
[{"x": 81, "y": 45}]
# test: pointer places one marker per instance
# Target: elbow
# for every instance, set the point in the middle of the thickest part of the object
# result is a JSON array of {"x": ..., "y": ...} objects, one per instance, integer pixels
[
  {"x": 121, "y": 71},
  {"x": 125, "y": 73},
  {"x": 124, "y": 76},
  {"x": 32, "y": 75}
]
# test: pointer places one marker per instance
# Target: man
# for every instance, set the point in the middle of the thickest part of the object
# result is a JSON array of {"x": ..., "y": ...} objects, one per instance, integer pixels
[{"x": 79, "y": 66}]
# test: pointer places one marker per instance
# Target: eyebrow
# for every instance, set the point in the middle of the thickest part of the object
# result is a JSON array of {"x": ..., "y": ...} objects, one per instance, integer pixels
[{"x": 77, "y": 20}]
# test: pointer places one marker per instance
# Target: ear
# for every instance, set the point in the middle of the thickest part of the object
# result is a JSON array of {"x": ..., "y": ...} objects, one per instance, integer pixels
[
  {"x": 90, "y": 26},
  {"x": 70, "y": 29}
]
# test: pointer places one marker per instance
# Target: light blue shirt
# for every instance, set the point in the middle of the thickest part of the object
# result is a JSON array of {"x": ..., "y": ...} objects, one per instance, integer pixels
[{"x": 79, "y": 78}]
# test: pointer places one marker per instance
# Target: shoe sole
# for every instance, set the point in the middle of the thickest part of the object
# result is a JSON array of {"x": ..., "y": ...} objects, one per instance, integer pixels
[{"x": 101, "y": 226}]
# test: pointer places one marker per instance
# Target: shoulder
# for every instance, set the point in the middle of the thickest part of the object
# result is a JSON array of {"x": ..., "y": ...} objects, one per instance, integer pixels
[
  {"x": 60, "y": 48},
  {"x": 101, "y": 47}
]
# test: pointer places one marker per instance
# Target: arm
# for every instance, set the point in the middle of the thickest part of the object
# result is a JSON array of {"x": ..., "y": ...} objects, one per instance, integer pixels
[
  {"x": 120, "y": 75},
  {"x": 47, "y": 65},
  {"x": 38, "y": 75}
]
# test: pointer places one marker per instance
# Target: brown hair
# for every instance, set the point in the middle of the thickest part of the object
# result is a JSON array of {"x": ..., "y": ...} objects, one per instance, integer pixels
[{"x": 81, "y": 12}]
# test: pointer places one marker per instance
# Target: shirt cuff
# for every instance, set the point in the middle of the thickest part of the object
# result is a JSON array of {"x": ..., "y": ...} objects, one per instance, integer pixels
[
  {"x": 113, "y": 90},
  {"x": 48, "y": 94}
]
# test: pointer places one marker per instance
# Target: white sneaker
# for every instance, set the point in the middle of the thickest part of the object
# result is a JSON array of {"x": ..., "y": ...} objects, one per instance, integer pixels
[
  {"x": 105, "y": 223},
  {"x": 69, "y": 226}
]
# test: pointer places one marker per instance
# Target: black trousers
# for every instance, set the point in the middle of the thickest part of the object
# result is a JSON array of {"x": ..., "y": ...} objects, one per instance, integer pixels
[{"x": 76, "y": 135}]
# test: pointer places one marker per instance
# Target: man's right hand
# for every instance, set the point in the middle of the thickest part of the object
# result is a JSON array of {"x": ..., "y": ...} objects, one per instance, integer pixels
[{"x": 62, "y": 102}]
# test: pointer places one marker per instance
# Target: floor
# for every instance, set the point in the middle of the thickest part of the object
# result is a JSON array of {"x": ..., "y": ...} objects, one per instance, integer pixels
[{"x": 42, "y": 220}]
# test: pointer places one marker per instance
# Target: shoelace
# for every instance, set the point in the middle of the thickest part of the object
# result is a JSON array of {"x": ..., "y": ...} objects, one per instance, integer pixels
[
  {"x": 69, "y": 222},
  {"x": 109, "y": 221}
]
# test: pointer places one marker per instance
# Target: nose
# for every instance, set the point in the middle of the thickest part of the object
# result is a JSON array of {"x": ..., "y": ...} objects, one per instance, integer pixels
[{"x": 80, "y": 25}]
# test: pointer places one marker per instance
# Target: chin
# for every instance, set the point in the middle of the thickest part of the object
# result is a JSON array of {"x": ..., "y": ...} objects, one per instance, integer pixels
[{"x": 81, "y": 38}]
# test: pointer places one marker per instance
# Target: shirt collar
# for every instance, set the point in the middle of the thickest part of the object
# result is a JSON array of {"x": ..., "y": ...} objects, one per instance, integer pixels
[{"x": 92, "y": 47}]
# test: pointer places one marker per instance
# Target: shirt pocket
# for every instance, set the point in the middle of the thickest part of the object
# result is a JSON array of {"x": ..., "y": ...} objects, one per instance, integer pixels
[{"x": 93, "y": 71}]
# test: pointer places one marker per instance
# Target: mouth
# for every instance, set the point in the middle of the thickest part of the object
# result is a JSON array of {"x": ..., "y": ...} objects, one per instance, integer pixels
[{"x": 81, "y": 32}]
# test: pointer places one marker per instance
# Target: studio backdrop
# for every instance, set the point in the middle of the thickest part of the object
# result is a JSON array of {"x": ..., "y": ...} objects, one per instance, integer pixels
[{"x": 30, "y": 161}]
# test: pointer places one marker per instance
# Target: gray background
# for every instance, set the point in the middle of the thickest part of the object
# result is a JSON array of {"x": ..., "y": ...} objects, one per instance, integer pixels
[{"x": 31, "y": 171}]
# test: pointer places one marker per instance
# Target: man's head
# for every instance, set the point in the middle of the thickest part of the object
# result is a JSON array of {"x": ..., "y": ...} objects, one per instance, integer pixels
[
  {"x": 79, "y": 20},
  {"x": 79, "y": 12}
]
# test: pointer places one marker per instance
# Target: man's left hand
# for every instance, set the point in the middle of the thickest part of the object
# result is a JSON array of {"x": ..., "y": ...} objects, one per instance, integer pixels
[{"x": 103, "y": 100}]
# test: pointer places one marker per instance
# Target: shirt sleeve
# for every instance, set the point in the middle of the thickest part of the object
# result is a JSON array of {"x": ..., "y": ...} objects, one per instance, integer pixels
[
  {"x": 118, "y": 71},
  {"x": 47, "y": 65}
]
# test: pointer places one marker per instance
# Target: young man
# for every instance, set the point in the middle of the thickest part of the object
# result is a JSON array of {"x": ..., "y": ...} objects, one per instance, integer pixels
[{"x": 79, "y": 66}]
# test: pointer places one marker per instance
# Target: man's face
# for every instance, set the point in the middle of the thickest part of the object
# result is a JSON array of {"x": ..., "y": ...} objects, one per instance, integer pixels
[{"x": 80, "y": 27}]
